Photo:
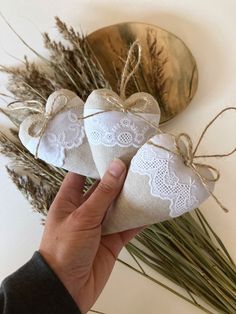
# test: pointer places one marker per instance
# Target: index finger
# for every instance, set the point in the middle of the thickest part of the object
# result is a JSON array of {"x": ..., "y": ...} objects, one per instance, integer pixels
[{"x": 70, "y": 193}]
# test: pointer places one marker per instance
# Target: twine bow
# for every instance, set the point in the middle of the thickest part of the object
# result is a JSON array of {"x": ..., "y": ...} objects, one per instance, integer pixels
[
  {"x": 58, "y": 105},
  {"x": 184, "y": 149},
  {"x": 187, "y": 154},
  {"x": 124, "y": 105},
  {"x": 44, "y": 114}
]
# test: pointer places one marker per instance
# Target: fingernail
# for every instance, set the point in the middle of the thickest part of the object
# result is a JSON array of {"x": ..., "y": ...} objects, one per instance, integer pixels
[{"x": 116, "y": 168}]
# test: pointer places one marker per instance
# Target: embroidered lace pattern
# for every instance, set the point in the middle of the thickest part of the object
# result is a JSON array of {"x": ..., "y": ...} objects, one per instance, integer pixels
[
  {"x": 163, "y": 181},
  {"x": 64, "y": 134},
  {"x": 124, "y": 133}
]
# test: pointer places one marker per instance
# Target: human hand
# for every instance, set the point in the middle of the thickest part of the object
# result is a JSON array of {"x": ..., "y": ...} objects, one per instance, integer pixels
[{"x": 72, "y": 243}]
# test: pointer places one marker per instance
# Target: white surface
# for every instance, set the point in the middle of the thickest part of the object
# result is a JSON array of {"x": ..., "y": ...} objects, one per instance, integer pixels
[{"x": 208, "y": 28}]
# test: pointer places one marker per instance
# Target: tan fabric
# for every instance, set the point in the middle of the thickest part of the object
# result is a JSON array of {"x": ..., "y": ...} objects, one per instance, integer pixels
[
  {"x": 104, "y": 99},
  {"x": 135, "y": 207},
  {"x": 158, "y": 187},
  {"x": 77, "y": 159}
]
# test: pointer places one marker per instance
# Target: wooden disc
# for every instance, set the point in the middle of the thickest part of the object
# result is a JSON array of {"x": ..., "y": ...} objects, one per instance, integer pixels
[{"x": 168, "y": 69}]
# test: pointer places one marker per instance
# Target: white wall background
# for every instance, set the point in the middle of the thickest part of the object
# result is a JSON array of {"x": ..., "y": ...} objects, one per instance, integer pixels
[{"x": 208, "y": 28}]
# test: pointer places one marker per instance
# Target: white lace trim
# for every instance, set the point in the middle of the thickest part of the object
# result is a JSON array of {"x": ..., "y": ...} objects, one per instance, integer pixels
[
  {"x": 124, "y": 133},
  {"x": 64, "y": 133},
  {"x": 163, "y": 181}
]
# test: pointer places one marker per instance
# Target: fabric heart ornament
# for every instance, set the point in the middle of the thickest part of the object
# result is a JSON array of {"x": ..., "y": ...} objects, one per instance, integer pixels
[
  {"x": 63, "y": 142},
  {"x": 117, "y": 128},
  {"x": 159, "y": 186}
]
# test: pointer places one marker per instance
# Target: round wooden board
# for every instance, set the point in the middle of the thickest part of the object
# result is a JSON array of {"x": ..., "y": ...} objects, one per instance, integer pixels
[{"x": 168, "y": 69}]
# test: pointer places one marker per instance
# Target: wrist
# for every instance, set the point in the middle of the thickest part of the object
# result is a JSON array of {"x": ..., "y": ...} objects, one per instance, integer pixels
[{"x": 57, "y": 267}]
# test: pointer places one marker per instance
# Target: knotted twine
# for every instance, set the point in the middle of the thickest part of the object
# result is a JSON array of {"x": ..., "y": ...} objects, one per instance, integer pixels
[
  {"x": 123, "y": 106},
  {"x": 187, "y": 153},
  {"x": 44, "y": 114}
]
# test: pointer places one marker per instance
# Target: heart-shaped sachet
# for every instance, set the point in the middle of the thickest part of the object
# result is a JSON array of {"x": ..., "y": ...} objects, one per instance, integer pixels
[
  {"x": 159, "y": 186},
  {"x": 117, "y": 128},
  {"x": 57, "y": 135}
]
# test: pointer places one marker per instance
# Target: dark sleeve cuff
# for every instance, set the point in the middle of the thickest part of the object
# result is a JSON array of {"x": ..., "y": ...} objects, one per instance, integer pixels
[{"x": 35, "y": 289}]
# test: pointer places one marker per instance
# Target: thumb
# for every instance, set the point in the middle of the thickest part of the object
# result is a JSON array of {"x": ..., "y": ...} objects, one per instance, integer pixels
[{"x": 93, "y": 210}]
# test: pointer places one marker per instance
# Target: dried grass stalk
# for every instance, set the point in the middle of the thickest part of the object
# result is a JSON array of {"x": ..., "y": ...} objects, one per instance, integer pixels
[
  {"x": 187, "y": 251},
  {"x": 28, "y": 82},
  {"x": 38, "y": 181}
]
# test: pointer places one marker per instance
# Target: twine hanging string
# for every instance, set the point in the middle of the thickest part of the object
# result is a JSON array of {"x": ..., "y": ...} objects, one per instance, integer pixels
[
  {"x": 204, "y": 132},
  {"x": 126, "y": 76},
  {"x": 27, "y": 104},
  {"x": 123, "y": 106}
]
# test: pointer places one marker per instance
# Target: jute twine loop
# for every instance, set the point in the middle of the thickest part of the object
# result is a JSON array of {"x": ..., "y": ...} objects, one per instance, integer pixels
[
  {"x": 123, "y": 106},
  {"x": 45, "y": 117},
  {"x": 187, "y": 154},
  {"x": 126, "y": 76},
  {"x": 27, "y": 104}
]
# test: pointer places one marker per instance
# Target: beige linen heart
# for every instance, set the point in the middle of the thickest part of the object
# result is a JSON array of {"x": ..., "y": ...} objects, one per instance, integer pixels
[
  {"x": 117, "y": 128},
  {"x": 159, "y": 186},
  {"x": 63, "y": 143}
]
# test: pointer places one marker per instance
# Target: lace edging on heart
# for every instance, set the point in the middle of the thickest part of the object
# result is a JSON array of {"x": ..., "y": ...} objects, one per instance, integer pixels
[
  {"x": 124, "y": 133},
  {"x": 163, "y": 181},
  {"x": 55, "y": 143}
]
